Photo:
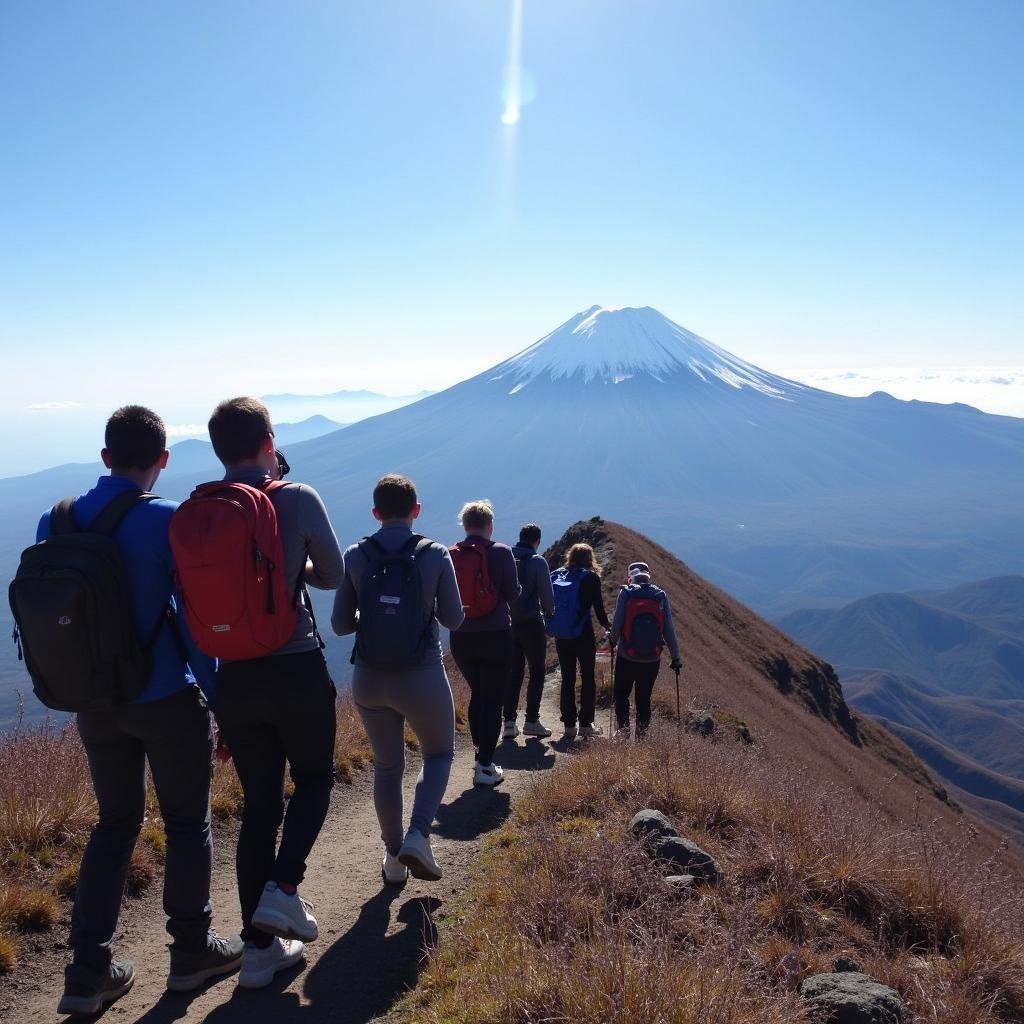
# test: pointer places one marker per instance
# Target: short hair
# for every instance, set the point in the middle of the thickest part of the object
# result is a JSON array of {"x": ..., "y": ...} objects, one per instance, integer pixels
[
  {"x": 135, "y": 438},
  {"x": 581, "y": 556},
  {"x": 529, "y": 534},
  {"x": 394, "y": 497},
  {"x": 476, "y": 515},
  {"x": 238, "y": 428}
]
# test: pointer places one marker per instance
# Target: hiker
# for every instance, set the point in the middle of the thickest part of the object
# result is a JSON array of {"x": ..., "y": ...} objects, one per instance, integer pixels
[
  {"x": 641, "y": 627},
  {"x": 398, "y": 586},
  {"x": 577, "y": 590},
  {"x": 96, "y": 617},
  {"x": 482, "y": 645},
  {"x": 529, "y": 639},
  {"x": 246, "y": 549}
]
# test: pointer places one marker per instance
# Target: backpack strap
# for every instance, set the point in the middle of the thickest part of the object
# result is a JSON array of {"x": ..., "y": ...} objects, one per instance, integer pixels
[
  {"x": 109, "y": 518},
  {"x": 62, "y": 518}
]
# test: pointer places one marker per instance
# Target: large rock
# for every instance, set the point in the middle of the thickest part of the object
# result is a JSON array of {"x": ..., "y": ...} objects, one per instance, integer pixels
[
  {"x": 850, "y": 997},
  {"x": 686, "y": 858},
  {"x": 652, "y": 823},
  {"x": 701, "y": 722}
]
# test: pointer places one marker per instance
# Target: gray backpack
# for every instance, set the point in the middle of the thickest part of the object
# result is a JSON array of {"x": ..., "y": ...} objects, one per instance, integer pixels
[{"x": 394, "y": 625}]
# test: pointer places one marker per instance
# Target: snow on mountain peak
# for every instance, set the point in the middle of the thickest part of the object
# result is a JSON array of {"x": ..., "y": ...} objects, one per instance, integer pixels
[{"x": 613, "y": 345}]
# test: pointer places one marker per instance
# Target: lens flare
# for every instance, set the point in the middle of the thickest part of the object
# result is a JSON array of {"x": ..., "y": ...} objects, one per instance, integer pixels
[{"x": 512, "y": 93}]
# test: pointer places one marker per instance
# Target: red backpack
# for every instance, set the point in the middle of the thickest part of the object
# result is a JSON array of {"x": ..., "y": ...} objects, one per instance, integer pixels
[
  {"x": 473, "y": 572},
  {"x": 229, "y": 563},
  {"x": 643, "y": 632}
]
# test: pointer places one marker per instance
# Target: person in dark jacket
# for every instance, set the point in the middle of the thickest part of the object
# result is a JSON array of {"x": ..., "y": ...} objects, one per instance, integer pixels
[
  {"x": 529, "y": 641},
  {"x": 482, "y": 645},
  {"x": 638, "y": 655},
  {"x": 582, "y": 649}
]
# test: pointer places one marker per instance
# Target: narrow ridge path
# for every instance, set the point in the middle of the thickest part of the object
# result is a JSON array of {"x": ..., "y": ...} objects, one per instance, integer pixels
[{"x": 371, "y": 937}]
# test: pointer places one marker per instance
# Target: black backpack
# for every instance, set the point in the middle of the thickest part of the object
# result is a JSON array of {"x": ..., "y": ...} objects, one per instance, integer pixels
[
  {"x": 393, "y": 627},
  {"x": 73, "y": 614},
  {"x": 521, "y": 606}
]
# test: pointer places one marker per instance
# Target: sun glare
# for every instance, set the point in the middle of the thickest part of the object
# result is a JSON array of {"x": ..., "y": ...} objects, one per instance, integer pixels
[{"x": 512, "y": 92}]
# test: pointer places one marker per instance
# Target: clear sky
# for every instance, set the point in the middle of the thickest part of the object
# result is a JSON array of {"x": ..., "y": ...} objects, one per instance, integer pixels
[{"x": 199, "y": 198}]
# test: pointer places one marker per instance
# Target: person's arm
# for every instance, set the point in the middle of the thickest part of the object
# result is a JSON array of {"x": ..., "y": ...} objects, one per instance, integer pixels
[
  {"x": 346, "y": 600},
  {"x": 509, "y": 588},
  {"x": 619, "y": 617},
  {"x": 325, "y": 569},
  {"x": 545, "y": 592},
  {"x": 448, "y": 602},
  {"x": 202, "y": 666},
  {"x": 670, "y": 633},
  {"x": 43, "y": 529},
  {"x": 597, "y": 600}
]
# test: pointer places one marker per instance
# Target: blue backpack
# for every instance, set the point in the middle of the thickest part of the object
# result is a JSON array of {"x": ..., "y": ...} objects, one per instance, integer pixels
[
  {"x": 394, "y": 625},
  {"x": 569, "y": 618}
]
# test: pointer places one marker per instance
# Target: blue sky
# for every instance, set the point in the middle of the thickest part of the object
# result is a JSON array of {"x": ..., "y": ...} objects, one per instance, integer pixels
[{"x": 198, "y": 198}]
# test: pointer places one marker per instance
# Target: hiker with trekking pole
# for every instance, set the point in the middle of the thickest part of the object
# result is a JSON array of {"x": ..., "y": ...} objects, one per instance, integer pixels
[{"x": 641, "y": 628}]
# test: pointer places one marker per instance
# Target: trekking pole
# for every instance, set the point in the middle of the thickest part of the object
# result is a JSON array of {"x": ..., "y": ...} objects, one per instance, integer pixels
[
  {"x": 679, "y": 714},
  {"x": 611, "y": 678}
]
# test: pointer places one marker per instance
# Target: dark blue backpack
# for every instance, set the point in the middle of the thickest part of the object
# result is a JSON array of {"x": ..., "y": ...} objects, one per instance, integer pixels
[
  {"x": 394, "y": 626},
  {"x": 569, "y": 618}
]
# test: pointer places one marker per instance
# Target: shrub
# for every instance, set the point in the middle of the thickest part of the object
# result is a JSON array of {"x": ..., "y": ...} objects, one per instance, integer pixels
[
  {"x": 66, "y": 880},
  {"x": 8, "y": 953},
  {"x": 37, "y": 912},
  {"x": 142, "y": 870}
]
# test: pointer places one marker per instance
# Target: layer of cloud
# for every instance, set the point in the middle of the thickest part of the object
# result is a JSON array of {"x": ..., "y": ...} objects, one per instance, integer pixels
[
  {"x": 186, "y": 429},
  {"x": 55, "y": 406}
]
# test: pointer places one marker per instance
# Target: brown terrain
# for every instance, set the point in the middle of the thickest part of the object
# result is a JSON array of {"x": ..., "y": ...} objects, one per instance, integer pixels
[{"x": 757, "y": 683}]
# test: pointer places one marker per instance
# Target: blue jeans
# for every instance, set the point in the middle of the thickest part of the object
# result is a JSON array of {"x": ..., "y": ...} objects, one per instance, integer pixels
[{"x": 175, "y": 736}]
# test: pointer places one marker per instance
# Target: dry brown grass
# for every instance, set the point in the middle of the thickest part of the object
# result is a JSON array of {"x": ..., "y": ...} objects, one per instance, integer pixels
[
  {"x": 8, "y": 953},
  {"x": 570, "y": 920}
]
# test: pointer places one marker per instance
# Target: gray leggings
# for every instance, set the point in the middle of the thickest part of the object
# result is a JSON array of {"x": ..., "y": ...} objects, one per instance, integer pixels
[{"x": 386, "y": 701}]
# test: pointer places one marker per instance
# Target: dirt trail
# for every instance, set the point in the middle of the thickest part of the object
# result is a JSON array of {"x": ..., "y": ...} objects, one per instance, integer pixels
[{"x": 371, "y": 937}]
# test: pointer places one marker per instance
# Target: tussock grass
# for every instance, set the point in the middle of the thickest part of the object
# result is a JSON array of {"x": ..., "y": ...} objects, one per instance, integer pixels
[
  {"x": 8, "y": 953},
  {"x": 569, "y": 920}
]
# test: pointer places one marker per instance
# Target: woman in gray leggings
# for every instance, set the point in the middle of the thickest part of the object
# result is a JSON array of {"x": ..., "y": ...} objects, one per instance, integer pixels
[{"x": 399, "y": 674}]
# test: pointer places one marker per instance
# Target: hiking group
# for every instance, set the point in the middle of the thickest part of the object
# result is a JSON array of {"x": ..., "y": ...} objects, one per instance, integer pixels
[{"x": 182, "y": 633}]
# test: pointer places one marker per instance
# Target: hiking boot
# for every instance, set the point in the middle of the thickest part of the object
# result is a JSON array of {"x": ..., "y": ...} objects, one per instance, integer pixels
[
  {"x": 191, "y": 969},
  {"x": 487, "y": 775},
  {"x": 590, "y": 731},
  {"x": 569, "y": 732},
  {"x": 418, "y": 856},
  {"x": 511, "y": 730},
  {"x": 260, "y": 965},
  {"x": 621, "y": 734},
  {"x": 537, "y": 728},
  {"x": 87, "y": 990},
  {"x": 286, "y": 915},
  {"x": 393, "y": 871}
]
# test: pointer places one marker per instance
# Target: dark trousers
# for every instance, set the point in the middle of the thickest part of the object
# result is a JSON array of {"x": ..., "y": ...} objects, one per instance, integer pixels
[
  {"x": 529, "y": 650},
  {"x": 642, "y": 674},
  {"x": 484, "y": 659},
  {"x": 272, "y": 711},
  {"x": 581, "y": 650},
  {"x": 175, "y": 736}
]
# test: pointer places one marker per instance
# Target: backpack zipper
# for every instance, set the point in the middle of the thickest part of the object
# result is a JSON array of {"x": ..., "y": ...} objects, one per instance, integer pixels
[
  {"x": 16, "y": 637},
  {"x": 270, "y": 577}
]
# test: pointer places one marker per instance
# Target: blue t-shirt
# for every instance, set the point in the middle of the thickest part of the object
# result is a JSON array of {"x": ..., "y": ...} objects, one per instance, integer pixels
[{"x": 146, "y": 550}]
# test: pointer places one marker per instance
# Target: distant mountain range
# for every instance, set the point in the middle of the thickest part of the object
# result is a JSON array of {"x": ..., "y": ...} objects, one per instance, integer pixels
[
  {"x": 344, "y": 406},
  {"x": 784, "y": 495},
  {"x": 944, "y": 671}
]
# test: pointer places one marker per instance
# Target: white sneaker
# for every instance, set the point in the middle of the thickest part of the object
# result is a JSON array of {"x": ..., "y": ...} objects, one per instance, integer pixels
[
  {"x": 260, "y": 965},
  {"x": 393, "y": 871},
  {"x": 570, "y": 732},
  {"x": 511, "y": 730},
  {"x": 487, "y": 775},
  {"x": 284, "y": 915},
  {"x": 537, "y": 728},
  {"x": 589, "y": 731},
  {"x": 418, "y": 856}
]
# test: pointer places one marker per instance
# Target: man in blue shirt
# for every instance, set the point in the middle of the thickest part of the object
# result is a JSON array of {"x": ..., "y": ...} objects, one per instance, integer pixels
[{"x": 168, "y": 725}]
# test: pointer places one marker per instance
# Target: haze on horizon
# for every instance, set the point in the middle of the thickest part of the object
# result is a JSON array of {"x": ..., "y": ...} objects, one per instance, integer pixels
[{"x": 205, "y": 200}]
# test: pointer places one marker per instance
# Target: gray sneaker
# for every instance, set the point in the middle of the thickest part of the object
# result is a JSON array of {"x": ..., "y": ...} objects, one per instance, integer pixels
[
  {"x": 589, "y": 731},
  {"x": 570, "y": 732},
  {"x": 191, "y": 969},
  {"x": 87, "y": 990},
  {"x": 537, "y": 728}
]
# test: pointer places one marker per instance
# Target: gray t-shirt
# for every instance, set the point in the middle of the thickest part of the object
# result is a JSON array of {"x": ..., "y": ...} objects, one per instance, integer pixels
[
  {"x": 440, "y": 588},
  {"x": 306, "y": 533}
]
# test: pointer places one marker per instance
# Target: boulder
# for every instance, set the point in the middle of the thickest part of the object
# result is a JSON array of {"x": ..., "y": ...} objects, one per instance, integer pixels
[
  {"x": 701, "y": 722},
  {"x": 651, "y": 823},
  {"x": 686, "y": 858},
  {"x": 851, "y": 997},
  {"x": 681, "y": 883}
]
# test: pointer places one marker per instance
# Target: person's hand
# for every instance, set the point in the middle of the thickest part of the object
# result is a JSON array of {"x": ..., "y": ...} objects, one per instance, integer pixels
[{"x": 676, "y": 665}]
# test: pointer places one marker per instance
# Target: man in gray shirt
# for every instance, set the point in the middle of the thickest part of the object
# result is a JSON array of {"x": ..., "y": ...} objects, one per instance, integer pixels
[
  {"x": 398, "y": 586},
  {"x": 529, "y": 639},
  {"x": 278, "y": 710}
]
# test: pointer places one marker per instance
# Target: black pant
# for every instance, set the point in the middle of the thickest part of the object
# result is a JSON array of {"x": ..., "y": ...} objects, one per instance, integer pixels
[
  {"x": 484, "y": 659},
  {"x": 529, "y": 649},
  {"x": 643, "y": 674},
  {"x": 175, "y": 736},
  {"x": 581, "y": 649},
  {"x": 275, "y": 710}
]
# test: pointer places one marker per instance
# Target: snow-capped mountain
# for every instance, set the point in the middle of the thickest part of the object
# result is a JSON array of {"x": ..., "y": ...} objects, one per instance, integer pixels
[{"x": 610, "y": 346}]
